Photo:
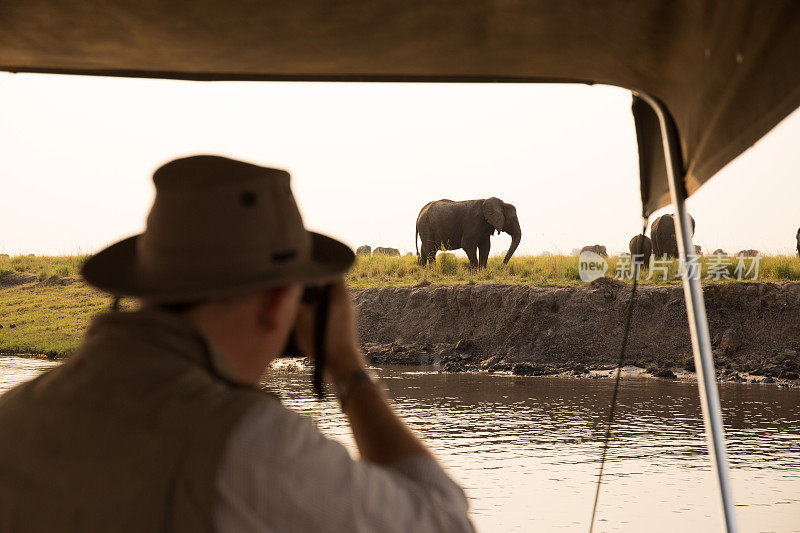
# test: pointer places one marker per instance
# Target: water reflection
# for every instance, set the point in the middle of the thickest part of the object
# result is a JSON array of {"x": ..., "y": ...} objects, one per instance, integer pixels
[
  {"x": 15, "y": 370},
  {"x": 526, "y": 449}
]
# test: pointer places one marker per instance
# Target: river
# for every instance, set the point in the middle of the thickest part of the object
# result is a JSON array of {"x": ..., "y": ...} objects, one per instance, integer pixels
[{"x": 526, "y": 449}]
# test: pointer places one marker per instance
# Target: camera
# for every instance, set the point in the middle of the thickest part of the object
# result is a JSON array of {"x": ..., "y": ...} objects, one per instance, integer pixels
[{"x": 314, "y": 294}]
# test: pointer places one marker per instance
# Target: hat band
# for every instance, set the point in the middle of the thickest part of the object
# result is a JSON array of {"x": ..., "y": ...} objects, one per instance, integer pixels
[{"x": 189, "y": 265}]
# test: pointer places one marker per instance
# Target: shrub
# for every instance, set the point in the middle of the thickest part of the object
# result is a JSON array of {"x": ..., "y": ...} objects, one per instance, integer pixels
[{"x": 447, "y": 264}]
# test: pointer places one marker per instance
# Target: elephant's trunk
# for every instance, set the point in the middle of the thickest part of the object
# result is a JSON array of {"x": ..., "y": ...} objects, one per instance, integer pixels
[{"x": 516, "y": 236}]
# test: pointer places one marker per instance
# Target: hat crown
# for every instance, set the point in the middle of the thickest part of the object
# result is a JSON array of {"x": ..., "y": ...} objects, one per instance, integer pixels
[
  {"x": 218, "y": 228},
  {"x": 213, "y": 214}
]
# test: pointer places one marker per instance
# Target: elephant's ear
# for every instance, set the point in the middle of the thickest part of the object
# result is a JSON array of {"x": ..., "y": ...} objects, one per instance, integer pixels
[{"x": 493, "y": 212}]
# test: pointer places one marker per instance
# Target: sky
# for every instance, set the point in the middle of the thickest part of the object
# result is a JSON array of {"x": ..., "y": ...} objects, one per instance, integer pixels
[{"x": 77, "y": 155}]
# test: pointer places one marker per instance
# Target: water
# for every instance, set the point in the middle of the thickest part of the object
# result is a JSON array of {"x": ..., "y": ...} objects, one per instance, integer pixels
[
  {"x": 15, "y": 370},
  {"x": 526, "y": 449}
]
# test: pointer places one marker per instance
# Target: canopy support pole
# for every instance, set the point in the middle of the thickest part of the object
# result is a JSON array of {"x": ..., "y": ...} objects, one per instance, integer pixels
[{"x": 696, "y": 311}]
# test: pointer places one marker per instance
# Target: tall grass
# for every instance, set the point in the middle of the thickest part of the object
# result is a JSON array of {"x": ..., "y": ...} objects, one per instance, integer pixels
[
  {"x": 43, "y": 267},
  {"x": 376, "y": 270},
  {"x": 554, "y": 270},
  {"x": 785, "y": 268}
]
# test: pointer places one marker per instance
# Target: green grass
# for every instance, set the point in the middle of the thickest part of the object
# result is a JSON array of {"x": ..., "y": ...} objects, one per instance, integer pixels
[
  {"x": 381, "y": 270},
  {"x": 553, "y": 270},
  {"x": 50, "y": 317},
  {"x": 42, "y": 315},
  {"x": 64, "y": 266},
  {"x": 46, "y": 319}
]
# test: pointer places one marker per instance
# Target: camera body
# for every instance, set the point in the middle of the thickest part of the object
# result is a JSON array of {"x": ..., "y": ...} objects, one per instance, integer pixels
[
  {"x": 311, "y": 295},
  {"x": 319, "y": 295}
]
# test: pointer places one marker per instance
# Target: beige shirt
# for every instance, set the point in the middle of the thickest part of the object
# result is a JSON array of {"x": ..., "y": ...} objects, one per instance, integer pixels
[{"x": 279, "y": 473}]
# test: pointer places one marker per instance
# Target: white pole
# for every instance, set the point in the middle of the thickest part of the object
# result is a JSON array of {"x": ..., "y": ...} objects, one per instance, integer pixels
[{"x": 696, "y": 310}]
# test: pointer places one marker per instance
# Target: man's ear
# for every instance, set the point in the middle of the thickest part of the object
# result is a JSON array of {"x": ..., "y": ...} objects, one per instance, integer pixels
[{"x": 277, "y": 307}]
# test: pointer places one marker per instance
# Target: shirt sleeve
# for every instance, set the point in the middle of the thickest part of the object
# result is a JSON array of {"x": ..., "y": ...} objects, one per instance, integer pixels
[{"x": 279, "y": 473}]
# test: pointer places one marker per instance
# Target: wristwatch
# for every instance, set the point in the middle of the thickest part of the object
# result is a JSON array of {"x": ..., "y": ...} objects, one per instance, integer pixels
[{"x": 345, "y": 388}]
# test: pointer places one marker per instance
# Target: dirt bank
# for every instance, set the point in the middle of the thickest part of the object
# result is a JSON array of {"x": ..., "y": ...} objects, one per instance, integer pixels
[{"x": 755, "y": 327}]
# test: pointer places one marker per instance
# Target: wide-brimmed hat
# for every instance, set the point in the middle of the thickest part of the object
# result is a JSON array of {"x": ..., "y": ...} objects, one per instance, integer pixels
[{"x": 218, "y": 227}]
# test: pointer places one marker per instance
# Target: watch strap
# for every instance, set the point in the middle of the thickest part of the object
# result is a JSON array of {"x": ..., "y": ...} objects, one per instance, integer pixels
[{"x": 346, "y": 387}]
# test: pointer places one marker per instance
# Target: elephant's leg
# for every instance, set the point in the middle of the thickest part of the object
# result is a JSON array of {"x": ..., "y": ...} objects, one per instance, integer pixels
[
  {"x": 423, "y": 255},
  {"x": 472, "y": 255},
  {"x": 431, "y": 258},
  {"x": 427, "y": 254},
  {"x": 483, "y": 249}
]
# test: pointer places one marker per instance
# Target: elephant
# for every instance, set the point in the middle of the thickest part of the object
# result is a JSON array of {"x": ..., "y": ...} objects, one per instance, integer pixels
[
  {"x": 468, "y": 224},
  {"x": 662, "y": 235},
  {"x": 798, "y": 241},
  {"x": 364, "y": 250},
  {"x": 748, "y": 253},
  {"x": 386, "y": 251},
  {"x": 596, "y": 248},
  {"x": 720, "y": 251},
  {"x": 641, "y": 249},
  {"x": 698, "y": 250}
]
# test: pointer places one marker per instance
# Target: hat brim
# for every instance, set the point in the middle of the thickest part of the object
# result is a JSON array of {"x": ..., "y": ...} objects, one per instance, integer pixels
[{"x": 116, "y": 270}]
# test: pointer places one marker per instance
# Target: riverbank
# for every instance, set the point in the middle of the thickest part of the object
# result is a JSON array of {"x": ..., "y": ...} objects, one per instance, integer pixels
[
  {"x": 524, "y": 329},
  {"x": 755, "y": 328},
  {"x": 48, "y": 316}
]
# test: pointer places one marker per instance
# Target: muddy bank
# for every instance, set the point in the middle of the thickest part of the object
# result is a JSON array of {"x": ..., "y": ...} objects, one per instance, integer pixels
[{"x": 755, "y": 327}]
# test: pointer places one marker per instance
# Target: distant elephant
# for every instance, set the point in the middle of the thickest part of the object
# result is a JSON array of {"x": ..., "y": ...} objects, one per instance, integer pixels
[
  {"x": 641, "y": 249},
  {"x": 364, "y": 250},
  {"x": 386, "y": 251},
  {"x": 720, "y": 251},
  {"x": 798, "y": 241},
  {"x": 449, "y": 225},
  {"x": 596, "y": 248},
  {"x": 698, "y": 250},
  {"x": 662, "y": 235},
  {"x": 748, "y": 253}
]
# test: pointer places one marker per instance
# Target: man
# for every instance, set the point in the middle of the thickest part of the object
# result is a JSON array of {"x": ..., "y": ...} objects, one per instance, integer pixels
[{"x": 157, "y": 424}]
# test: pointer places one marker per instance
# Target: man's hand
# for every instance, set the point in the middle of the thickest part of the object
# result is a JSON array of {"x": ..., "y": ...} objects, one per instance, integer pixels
[
  {"x": 381, "y": 436},
  {"x": 343, "y": 355}
]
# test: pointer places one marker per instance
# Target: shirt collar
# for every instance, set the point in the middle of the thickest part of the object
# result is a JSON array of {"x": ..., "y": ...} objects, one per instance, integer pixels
[{"x": 156, "y": 330}]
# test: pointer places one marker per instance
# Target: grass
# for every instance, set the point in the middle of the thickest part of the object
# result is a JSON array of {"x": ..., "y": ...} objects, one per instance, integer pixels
[
  {"x": 46, "y": 319},
  {"x": 41, "y": 315},
  {"x": 550, "y": 270},
  {"x": 382, "y": 270},
  {"x": 64, "y": 266},
  {"x": 49, "y": 306}
]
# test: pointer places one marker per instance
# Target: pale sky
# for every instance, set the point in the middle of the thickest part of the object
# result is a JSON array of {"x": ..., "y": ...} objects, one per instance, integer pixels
[{"x": 77, "y": 155}]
